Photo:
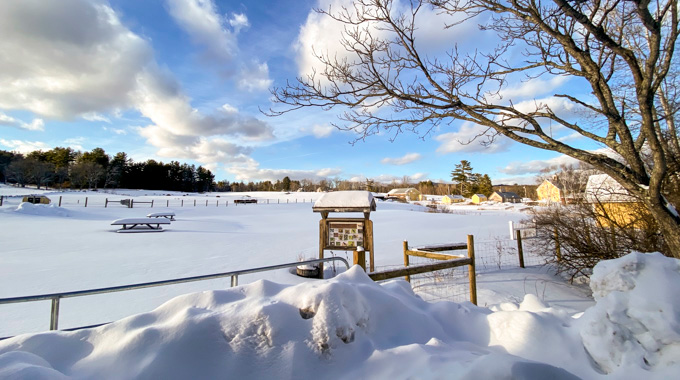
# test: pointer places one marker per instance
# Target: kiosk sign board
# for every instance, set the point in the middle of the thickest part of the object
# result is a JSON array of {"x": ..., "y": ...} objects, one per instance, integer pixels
[{"x": 344, "y": 235}]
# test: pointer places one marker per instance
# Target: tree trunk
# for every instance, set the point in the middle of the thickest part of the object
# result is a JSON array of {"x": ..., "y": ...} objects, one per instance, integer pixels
[{"x": 669, "y": 226}]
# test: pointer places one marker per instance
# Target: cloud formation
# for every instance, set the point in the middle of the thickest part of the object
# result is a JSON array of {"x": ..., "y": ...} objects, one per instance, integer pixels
[
  {"x": 200, "y": 20},
  {"x": 469, "y": 138},
  {"x": 75, "y": 59},
  {"x": 249, "y": 170},
  {"x": 405, "y": 159},
  {"x": 22, "y": 146},
  {"x": 34, "y": 125}
]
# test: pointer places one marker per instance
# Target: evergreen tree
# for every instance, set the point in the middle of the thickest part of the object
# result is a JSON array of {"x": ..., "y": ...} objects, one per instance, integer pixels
[
  {"x": 285, "y": 184},
  {"x": 460, "y": 175}
]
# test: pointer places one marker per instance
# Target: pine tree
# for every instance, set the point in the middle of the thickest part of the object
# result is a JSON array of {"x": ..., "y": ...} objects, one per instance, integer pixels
[{"x": 461, "y": 174}]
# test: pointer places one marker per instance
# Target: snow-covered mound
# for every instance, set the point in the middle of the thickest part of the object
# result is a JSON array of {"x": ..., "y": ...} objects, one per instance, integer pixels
[
  {"x": 41, "y": 209},
  {"x": 636, "y": 321},
  {"x": 350, "y": 327}
]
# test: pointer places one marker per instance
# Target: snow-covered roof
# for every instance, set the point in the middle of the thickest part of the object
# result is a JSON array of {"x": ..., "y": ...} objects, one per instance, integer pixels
[
  {"x": 603, "y": 188},
  {"x": 507, "y": 194},
  {"x": 402, "y": 190},
  {"x": 345, "y": 201}
]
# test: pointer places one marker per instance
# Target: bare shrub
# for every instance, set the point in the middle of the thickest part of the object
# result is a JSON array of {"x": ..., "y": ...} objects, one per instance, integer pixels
[{"x": 587, "y": 234}]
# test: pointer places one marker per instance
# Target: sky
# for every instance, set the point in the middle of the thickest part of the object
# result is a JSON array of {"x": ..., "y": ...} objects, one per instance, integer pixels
[{"x": 186, "y": 80}]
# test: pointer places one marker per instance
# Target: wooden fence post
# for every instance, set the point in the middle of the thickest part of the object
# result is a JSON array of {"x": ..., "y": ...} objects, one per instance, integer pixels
[
  {"x": 406, "y": 261},
  {"x": 85, "y": 201},
  {"x": 182, "y": 203},
  {"x": 194, "y": 203},
  {"x": 152, "y": 203},
  {"x": 206, "y": 203},
  {"x": 132, "y": 203},
  {"x": 60, "y": 201},
  {"x": 520, "y": 251},
  {"x": 106, "y": 202},
  {"x": 558, "y": 250},
  {"x": 217, "y": 204},
  {"x": 360, "y": 259},
  {"x": 471, "y": 269},
  {"x": 167, "y": 203}
]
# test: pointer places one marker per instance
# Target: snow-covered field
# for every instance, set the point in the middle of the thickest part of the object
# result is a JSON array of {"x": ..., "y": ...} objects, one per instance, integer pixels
[{"x": 278, "y": 325}]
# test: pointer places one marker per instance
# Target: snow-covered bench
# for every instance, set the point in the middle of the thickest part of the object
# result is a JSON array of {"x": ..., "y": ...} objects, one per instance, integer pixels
[
  {"x": 167, "y": 215},
  {"x": 140, "y": 224}
]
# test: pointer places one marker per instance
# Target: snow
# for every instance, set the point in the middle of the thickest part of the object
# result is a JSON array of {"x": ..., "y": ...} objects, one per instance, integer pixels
[
  {"x": 344, "y": 199},
  {"x": 636, "y": 321},
  {"x": 530, "y": 323},
  {"x": 603, "y": 188},
  {"x": 350, "y": 327}
]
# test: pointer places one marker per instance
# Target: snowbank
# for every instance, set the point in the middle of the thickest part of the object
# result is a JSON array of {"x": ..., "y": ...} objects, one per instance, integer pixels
[
  {"x": 350, "y": 327},
  {"x": 41, "y": 209},
  {"x": 636, "y": 321}
]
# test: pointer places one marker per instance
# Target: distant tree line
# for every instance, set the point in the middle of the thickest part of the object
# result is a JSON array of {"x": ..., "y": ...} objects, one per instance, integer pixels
[{"x": 68, "y": 168}]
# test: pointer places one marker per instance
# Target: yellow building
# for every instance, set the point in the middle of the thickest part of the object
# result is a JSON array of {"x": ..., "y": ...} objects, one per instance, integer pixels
[
  {"x": 36, "y": 199},
  {"x": 450, "y": 199},
  {"x": 613, "y": 204},
  {"x": 548, "y": 191},
  {"x": 478, "y": 198},
  {"x": 407, "y": 194}
]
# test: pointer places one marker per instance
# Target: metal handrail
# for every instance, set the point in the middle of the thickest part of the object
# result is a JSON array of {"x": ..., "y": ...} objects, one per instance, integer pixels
[{"x": 55, "y": 297}]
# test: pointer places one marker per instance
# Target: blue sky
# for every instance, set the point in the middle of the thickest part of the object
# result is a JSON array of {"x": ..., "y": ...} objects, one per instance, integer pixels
[{"x": 184, "y": 80}]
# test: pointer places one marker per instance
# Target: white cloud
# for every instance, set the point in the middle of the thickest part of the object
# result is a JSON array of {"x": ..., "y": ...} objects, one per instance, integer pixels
[
  {"x": 535, "y": 166},
  {"x": 117, "y": 131},
  {"x": 228, "y": 108},
  {"x": 93, "y": 116},
  {"x": 406, "y": 159},
  {"x": 322, "y": 35},
  {"x": 238, "y": 21},
  {"x": 249, "y": 170},
  {"x": 418, "y": 176},
  {"x": 74, "y": 58},
  {"x": 34, "y": 125},
  {"x": 199, "y": 19},
  {"x": 469, "y": 138},
  {"x": 321, "y": 131},
  {"x": 255, "y": 77},
  {"x": 533, "y": 87},
  {"x": 22, "y": 146}
]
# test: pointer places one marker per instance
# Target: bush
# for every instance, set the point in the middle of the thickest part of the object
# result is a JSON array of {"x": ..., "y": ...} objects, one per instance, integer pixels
[{"x": 585, "y": 235}]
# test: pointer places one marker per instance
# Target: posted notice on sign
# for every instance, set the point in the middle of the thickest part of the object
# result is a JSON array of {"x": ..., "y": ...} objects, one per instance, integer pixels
[{"x": 346, "y": 234}]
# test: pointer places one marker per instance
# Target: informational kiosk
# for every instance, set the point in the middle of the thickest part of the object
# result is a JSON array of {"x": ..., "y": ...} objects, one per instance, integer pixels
[{"x": 346, "y": 234}]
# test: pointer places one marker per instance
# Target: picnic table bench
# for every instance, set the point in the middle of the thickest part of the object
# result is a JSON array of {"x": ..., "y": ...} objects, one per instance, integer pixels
[
  {"x": 140, "y": 224},
  {"x": 167, "y": 215}
]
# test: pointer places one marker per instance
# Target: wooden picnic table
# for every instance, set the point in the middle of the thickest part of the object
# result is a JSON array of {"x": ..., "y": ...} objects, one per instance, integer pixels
[
  {"x": 167, "y": 215},
  {"x": 140, "y": 224}
]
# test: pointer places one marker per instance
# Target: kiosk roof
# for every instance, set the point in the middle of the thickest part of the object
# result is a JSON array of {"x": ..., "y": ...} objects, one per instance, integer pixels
[{"x": 345, "y": 201}]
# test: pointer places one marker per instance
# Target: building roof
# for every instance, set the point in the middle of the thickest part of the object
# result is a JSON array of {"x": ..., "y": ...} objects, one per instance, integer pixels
[
  {"x": 480, "y": 195},
  {"x": 559, "y": 186},
  {"x": 507, "y": 194},
  {"x": 345, "y": 201},
  {"x": 402, "y": 190},
  {"x": 456, "y": 196},
  {"x": 603, "y": 188}
]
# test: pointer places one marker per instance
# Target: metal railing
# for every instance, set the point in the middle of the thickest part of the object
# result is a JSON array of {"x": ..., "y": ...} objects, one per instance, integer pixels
[{"x": 56, "y": 297}]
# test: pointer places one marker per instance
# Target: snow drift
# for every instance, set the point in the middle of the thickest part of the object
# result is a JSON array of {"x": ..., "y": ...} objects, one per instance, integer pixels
[
  {"x": 41, "y": 209},
  {"x": 351, "y": 327}
]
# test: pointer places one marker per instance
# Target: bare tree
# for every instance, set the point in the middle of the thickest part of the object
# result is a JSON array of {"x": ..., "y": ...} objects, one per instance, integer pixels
[{"x": 622, "y": 51}]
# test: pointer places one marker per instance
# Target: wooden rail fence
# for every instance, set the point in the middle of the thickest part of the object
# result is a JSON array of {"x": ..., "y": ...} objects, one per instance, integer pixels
[{"x": 446, "y": 261}]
